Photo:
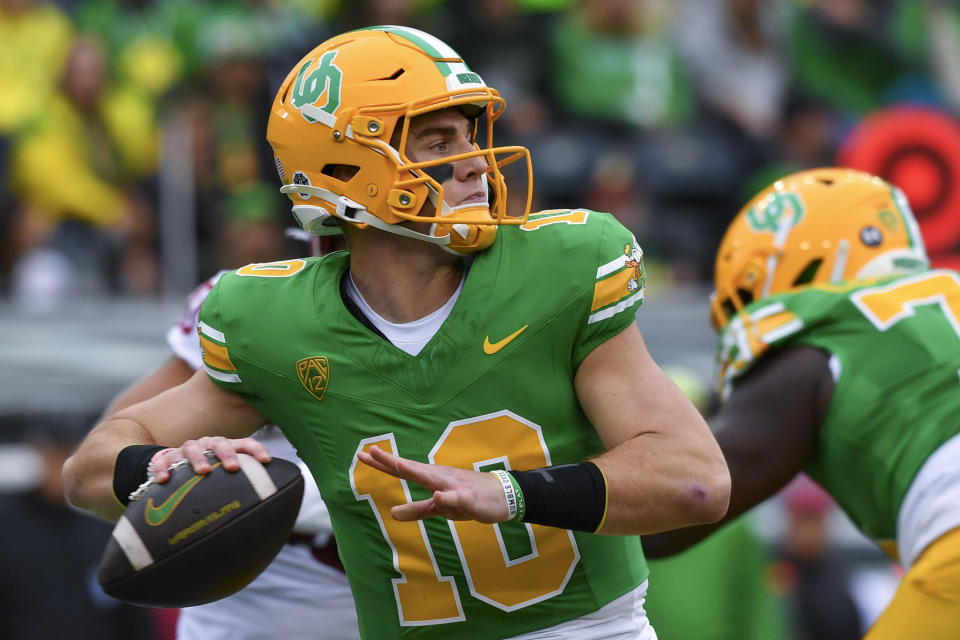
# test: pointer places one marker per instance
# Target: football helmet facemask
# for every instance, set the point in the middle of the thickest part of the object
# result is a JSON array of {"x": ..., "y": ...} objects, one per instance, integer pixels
[
  {"x": 344, "y": 103},
  {"x": 817, "y": 226}
]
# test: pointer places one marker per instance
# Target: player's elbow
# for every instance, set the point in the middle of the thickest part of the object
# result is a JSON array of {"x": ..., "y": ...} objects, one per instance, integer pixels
[
  {"x": 71, "y": 481},
  {"x": 76, "y": 483},
  {"x": 708, "y": 496}
]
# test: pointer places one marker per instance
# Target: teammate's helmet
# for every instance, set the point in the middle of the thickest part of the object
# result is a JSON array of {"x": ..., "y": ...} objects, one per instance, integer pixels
[
  {"x": 347, "y": 99},
  {"x": 817, "y": 226}
]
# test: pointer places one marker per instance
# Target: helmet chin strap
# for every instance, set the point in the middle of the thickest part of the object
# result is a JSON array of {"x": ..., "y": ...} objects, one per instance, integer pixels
[
  {"x": 447, "y": 211},
  {"x": 351, "y": 211},
  {"x": 366, "y": 217}
]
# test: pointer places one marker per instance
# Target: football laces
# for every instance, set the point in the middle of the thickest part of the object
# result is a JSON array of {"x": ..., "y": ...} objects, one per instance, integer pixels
[{"x": 150, "y": 481}]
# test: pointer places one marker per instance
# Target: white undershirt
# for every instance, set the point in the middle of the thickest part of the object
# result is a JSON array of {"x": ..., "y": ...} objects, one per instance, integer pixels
[
  {"x": 931, "y": 506},
  {"x": 411, "y": 337}
]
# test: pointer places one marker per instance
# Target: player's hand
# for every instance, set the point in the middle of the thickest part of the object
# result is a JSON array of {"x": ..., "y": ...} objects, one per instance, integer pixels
[
  {"x": 458, "y": 494},
  {"x": 226, "y": 449}
]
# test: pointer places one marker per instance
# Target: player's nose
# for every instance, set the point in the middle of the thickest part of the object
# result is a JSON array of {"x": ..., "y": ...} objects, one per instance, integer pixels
[{"x": 470, "y": 168}]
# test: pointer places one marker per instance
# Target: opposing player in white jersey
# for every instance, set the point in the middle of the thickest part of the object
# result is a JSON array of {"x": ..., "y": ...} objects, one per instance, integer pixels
[{"x": 303, "y": 594}]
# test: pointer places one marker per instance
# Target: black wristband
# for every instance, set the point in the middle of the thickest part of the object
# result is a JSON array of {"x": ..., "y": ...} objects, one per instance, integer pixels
[
  {"x": 569, "y": 496},
  {"x": 130, "y": 470}
]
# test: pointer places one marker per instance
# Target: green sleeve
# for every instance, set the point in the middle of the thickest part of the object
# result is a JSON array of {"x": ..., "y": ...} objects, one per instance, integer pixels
[
  {"x": 222, "y": 359},
  {"x": 614, "y": 290}
]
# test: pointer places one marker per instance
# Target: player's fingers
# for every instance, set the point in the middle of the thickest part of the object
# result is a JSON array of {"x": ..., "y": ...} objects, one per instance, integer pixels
[
  {"x": 195, "y": 452},
  {"x": 253, "y": 447},
  {"x": 370, "y": 461},
  {"x": 224, "y": 449},
  {"x": 385, "y": 458},
  {"x": 401, "y": 467},
  {"x": 429, "y": 476},
  {"x": 414, "y": 510},
  {"x": 160, "y": 463},
  {"x": 450, "y": 505}
]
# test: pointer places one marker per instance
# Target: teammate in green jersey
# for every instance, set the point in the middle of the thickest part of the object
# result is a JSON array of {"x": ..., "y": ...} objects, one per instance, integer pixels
[
  {"x": 454, "y": 362},
  {"x": 839, "y": 355}
]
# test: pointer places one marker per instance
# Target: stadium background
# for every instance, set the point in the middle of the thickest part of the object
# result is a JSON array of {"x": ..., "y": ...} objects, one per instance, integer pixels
[{"x": 133, "y": 165}]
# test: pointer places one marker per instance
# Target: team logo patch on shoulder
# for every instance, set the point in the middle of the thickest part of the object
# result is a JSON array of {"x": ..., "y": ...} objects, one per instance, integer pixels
[
  {"x": 314, "y": 374},
  {"x": 634, "y": 263},
  {"x": 619, "y": 285}
]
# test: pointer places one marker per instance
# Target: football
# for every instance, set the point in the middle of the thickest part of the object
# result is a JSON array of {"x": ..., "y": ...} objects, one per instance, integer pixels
[{"x": 199, "y": 538}]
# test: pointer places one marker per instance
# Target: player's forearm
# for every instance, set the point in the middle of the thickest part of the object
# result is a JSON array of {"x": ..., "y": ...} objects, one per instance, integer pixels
[
  {"x": 655, "y": 485},
  {"x": 88, "y": 473}
]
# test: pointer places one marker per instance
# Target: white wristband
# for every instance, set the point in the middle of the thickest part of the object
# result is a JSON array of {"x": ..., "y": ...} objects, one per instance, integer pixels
[{"x": 506, "y": 482}]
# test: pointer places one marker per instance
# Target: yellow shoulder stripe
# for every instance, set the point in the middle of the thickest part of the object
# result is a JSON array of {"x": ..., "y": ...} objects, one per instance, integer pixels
[
  {"x": 215, "y": 355},
  {"x": 611, "y": 289}
]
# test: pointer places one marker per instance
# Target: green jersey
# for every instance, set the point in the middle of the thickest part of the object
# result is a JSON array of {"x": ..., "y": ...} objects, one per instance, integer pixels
[
  {"x": 895, "y": 356},
  {"x": 492, "y": 389}
]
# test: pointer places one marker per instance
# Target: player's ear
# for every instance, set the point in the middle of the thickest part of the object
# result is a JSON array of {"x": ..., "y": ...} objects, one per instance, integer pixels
[{"x": 341, "y": 172}]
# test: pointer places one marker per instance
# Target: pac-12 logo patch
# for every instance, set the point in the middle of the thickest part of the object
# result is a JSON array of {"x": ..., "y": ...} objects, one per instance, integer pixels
[{"x": 314, "y": 374}]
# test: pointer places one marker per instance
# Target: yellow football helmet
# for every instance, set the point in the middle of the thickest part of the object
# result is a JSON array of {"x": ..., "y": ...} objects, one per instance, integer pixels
[
  {"x": 344, "y": 103},
  {"x": 817, "y": 226}
]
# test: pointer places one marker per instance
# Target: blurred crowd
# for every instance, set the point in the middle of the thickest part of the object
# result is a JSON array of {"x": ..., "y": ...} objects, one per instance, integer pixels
[{"x": 132, "y": 151}]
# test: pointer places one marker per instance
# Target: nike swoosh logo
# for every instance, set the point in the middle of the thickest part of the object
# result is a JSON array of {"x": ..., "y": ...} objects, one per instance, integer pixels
[
  {"x": 156, "y": 515},
  {"x": 491, "y": 348}
]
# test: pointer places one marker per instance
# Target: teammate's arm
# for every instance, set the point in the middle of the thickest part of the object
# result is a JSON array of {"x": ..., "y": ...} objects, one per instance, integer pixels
[
  {"x": 767, "y": 431},
  {"x": 662, "y": 466},
  {"x": 194, "y": 416}
]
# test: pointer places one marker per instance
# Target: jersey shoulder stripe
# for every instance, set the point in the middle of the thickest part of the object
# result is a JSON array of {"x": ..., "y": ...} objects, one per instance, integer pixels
[
  {"x": 750, "y": 334},
  {"x": 579, "y": 239},
  {"x": 620, "y": 283},
  {"x": 593, "y": 268},
  {"x": 215, "y": 355}
]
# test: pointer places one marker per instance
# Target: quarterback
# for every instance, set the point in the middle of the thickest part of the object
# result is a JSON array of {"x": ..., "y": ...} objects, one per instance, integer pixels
[
  {"x": 455, "y": 361},
  {"x": 839, "y": 356}
]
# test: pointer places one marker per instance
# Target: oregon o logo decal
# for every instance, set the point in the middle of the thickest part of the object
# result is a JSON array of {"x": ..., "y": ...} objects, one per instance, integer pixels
[{"x": 308, "y": 88}]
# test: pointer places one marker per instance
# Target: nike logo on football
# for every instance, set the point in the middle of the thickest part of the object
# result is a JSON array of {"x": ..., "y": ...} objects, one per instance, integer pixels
[
  {"x": 491, "y": 348},
  {"x": 157, "y": 515}
]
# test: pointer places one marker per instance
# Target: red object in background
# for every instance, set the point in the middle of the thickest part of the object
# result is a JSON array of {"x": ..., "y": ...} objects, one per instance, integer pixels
[
  {"x": 803, "y": 495},
  {"x": 917, "y": 149},
  {"x": 165, "y": 623}
]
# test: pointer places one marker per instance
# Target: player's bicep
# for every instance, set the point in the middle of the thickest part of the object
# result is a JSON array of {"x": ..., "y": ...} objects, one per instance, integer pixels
[
  {"x": 172, "y": 372},
  {"x": 624, "y": 393},
  {"x": 196, "y": 408},
  {"x": 768, "y": 427}
]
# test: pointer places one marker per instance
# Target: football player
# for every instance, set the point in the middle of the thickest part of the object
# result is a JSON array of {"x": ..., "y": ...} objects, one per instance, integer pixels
[
  {"x": 304, "y": 592},
  {"x": 456, "y": 361},
  {"x": 839, "y": 356}
]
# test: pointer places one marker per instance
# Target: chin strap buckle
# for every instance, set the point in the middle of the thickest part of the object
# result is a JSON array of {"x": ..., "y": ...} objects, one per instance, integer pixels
[{"x": 347, "y": 208}]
